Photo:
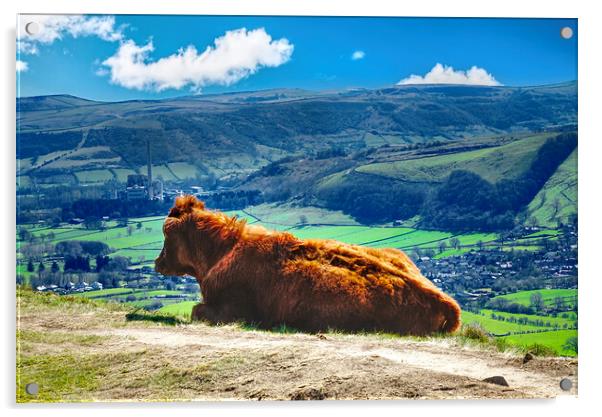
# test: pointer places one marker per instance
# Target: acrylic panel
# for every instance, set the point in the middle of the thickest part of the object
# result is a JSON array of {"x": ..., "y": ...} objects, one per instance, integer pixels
[{"x": 295, "y": 208}]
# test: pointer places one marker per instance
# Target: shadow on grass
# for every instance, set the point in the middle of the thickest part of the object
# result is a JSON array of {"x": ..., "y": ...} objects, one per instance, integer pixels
[{"x": 153, "y": 317}]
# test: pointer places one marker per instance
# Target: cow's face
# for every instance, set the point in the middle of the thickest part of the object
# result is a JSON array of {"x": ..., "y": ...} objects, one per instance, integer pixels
[{"x": 175, "y": 258}]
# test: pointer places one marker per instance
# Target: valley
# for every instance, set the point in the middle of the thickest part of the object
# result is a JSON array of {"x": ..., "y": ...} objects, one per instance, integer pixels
[{"x": 477, "y": 184}]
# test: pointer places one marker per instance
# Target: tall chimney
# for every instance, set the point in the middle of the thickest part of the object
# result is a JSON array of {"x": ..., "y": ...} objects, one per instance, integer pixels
[{"x": 149, "y": 168}]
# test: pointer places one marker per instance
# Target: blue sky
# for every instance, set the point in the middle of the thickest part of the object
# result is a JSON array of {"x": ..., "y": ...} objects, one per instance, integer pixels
[{"x": 116, "y": 58}]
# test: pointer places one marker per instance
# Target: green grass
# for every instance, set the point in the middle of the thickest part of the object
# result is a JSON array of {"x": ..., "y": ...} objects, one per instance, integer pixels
[
  {"x": 63, "y": 233},
  {"x": 24, "y": 181},
  {"x": 493, "y": 164},
  {"x": 547, "y": 338},
  {"x": 94, "y": 175},
  {"x": 161, "y": 171},
  {"x": 154, "y": 293},
  {"x": 349, "y": 234},
  {"x": 553, "y": 340},
  {"x": 22, "y": 270},
  {"x": 24, "y": 163},
  {"x": 495, "y": 326},
  {"x": 105, "y": 293},
  {"x": 59, "y": 377},
  {"x": 33, "y": 336},
  {"x": 121, "y": 294},
  {"x": 183, "y": 309},
  {"x": 276, "y": 216},
  {"x": 524, "y": 297},
  {"x": 183, "y": 170},
  {"x": 543, "y": 233}
]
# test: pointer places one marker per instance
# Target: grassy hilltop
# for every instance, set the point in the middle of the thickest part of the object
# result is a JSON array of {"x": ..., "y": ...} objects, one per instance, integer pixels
[{"x": 78, "y": 349}]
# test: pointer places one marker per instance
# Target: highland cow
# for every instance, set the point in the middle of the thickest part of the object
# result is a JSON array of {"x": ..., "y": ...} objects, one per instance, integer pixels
[{"x": 247, "y": 273}]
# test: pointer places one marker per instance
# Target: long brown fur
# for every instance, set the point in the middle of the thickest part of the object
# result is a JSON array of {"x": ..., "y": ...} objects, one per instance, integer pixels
[{"x": 270, "y": 278}]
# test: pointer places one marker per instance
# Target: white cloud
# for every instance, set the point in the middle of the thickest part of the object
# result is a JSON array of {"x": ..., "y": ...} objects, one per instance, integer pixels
[
  {"x": 234, "y": 56},
  {"x": 357, "y": 55},
  {"x": 28, "y": 48},
  {"x": 22, "y": 66},
  {"x": 443, "y": 74},
  {"x": 53, "y": 27}
]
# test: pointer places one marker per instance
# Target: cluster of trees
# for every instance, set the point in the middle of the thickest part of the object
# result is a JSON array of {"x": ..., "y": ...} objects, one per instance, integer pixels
[
  {"x": 501, "y": 304},
  {"x": 78, "y": 247},
  {"x": 97, "y": 208},
  {"x": 109, "y": 271},
  {"x": 465, "y": 201},
  {"x": 333, "y": 152},
  {"x": 233, "y": 200},
  {"x": 374, "y": 199},
  {"x": 41, "y": 143},
  {"x": 77, "y": 263},
  {"x": 527, "y": 321}
]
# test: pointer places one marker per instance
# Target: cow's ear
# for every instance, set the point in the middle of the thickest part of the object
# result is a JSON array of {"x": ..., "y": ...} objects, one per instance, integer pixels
[
  {"x": 174, "y": 212},
  {"x": 186, "y": 204}
]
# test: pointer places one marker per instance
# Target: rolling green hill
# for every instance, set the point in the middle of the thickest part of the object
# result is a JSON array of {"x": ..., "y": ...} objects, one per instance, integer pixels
[
  {"x": 492, "y": 164},
  {"x": 452, "y": 188}
]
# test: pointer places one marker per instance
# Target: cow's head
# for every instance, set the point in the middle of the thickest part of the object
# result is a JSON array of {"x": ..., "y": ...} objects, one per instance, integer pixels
[{"x": 180, "y": 249}]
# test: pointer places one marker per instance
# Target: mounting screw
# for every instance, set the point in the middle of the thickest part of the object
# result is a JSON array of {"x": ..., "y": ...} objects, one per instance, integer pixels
[
  {"x": 32, "y": 389},
  {"x": 566, "y": 32},
  {"x": 566, "y": 384},
  {"x": 32, "y": 28}
]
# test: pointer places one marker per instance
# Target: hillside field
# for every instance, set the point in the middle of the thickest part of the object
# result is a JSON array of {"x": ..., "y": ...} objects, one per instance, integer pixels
[
  {"x": 492, "y": 164},
  {"x": 549, "y": 295}
]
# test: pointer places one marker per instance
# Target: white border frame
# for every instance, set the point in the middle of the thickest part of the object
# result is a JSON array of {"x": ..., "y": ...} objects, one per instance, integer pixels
[{"x": 590, "y": 202}]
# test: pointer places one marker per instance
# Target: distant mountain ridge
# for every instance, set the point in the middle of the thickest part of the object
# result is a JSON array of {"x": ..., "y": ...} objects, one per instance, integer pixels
[
  {"x": 236, "y": 139},
  {"x": 282, "y": 93},
  {"x": 293, "y": 120}
]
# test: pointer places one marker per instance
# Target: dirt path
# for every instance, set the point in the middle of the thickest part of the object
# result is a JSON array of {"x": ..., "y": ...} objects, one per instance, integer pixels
[{"x": 431, "y": 369}]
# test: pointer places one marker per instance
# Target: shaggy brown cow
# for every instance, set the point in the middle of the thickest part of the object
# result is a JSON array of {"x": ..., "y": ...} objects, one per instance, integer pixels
[{"x": 270, "y": 278}]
